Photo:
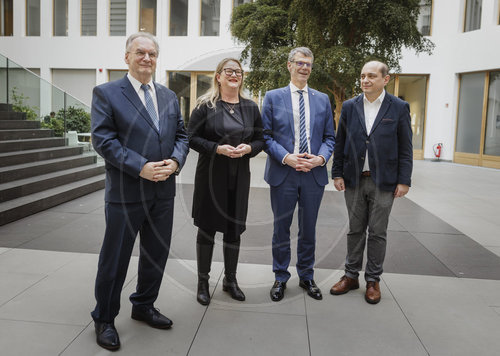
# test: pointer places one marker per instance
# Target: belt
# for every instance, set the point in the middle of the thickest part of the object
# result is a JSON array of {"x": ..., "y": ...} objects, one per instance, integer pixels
[{"x": 366, "y": 174}]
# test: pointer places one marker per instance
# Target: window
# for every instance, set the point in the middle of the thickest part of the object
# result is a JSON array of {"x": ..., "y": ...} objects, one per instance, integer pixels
[
  {"x": 60, "y": 17},
  {"x": 178, "y": 17},
  {"x": 32, "y": 17},
  {"x": 472, "y": 15},
  {"x": 210, "y": 16},
  {"x": 470, "y": 108},
  {"x": 492, "y": 133},
  {"x": 6, "y": 18},
  {"x": 115, "y": 74},
  {"x": 147, "y": 20},
  {"x": 89, "y": 17},
  {"x": 117, "y": 17},
  {"x": 240, "y": 2},
  {"x": 180, "y": 84},
  {"x": 424, "y": 18}
]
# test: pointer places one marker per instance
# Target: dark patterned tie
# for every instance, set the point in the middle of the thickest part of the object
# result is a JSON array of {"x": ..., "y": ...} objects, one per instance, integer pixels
[
  {"x": 302, "y": 124},
  {"x": 150, "y": 106}
]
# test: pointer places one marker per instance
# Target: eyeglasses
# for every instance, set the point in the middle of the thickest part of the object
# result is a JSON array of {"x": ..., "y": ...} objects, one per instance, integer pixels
[
  {"x": 229, "y": 72},
  {"x": 301, "y": 64},
  {"x": 141, "y": 54}
]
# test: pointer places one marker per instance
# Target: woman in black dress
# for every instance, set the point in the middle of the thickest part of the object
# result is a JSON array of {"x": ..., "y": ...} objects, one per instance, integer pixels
[{"x": 225, "y": 129}]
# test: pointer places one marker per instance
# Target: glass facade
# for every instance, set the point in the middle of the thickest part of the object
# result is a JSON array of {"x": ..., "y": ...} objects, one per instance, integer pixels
[
  {"x": 180, "y": 84},
  {"x": 89, "y": 17},
  {"x": 473, "y": 10},
  {"x": 6, "y": 18},
  {"x": 147, "y": 16},
  {"x": 240, "y": 2},
  {"x": 117, "y": 17},
  {"x": 210, "y": 17},
  {"x": 413, "y": 89},
  {"x": 492, "y": 132},
  {"x": 60, "y": 18},
  {"x": 32, "y": 17},
  {"x": 470, "y": 108},
  {"x": 178, "y": 17}
]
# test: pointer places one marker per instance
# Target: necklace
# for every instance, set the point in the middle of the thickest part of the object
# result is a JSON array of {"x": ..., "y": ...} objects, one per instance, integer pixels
[{"x": 230, "y": 107}]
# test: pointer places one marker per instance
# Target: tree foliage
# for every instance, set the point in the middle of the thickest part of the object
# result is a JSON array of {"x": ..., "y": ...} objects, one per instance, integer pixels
[{"x": 343, "y": 35}]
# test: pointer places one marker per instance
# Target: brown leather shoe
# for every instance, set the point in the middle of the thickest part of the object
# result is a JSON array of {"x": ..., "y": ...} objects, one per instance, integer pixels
[
  {"x": 344, "y": 285},
  {"x": 372, "y": 294}
]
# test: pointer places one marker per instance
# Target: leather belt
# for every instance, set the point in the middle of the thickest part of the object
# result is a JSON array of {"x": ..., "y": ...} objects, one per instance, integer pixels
[{"x": 366, "y": 174}]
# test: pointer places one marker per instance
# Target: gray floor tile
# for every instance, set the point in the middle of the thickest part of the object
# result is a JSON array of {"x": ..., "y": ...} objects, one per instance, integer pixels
[
  {"x": 66, "y": 296},
  {"x": 250, "y": 334},
  {"x": 462, "y": 255},
  {"x": 83, "y": 205},
  {"x": 29, "y": 338},
  {"x": 449, "y": 318},
  {"x": 256, "y": 282},
  {"x": 34, "y": 262},
  {"x": 13, "y": 283},
  {"x": 3, "y": 249}
]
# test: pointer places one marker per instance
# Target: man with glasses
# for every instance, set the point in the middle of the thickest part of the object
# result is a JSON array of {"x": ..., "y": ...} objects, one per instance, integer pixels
[
  {"x": 138, "y": 129},
  {"x": 299, "y": 134}
]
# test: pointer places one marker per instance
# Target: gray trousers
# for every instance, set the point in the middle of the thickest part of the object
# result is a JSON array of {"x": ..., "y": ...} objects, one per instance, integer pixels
[{"x": 368, "y": 208}]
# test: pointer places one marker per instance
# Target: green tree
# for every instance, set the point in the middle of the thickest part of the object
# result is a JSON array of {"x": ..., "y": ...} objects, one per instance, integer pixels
[{"x": 343, "y": 35}]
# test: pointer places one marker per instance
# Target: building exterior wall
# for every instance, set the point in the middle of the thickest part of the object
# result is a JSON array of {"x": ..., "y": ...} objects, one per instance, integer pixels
[{"x": 456, "y": 52}]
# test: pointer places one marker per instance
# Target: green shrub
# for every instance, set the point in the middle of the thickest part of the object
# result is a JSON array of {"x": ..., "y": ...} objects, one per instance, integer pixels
[
  {"x": 19, "y": 105},
  {"x": 77, "y": 119}
]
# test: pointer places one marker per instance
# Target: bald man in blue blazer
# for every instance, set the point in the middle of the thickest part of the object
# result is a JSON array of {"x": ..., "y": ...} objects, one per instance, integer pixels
[
  {"x": 138, "y": 129},
  {"x": 299, "y": 134}
]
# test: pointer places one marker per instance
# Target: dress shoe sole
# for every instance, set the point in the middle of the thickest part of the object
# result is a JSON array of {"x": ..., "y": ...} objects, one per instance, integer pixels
[
  {"x": 372, "y": 301},
  {"x": 163, "y": 327},
  {"x": 108, "y": 347}
]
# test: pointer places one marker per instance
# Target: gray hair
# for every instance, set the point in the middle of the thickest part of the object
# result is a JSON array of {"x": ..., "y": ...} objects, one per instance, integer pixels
[
  {"x": 147, "y": 35},
  {"x": 306, "y": 52}
]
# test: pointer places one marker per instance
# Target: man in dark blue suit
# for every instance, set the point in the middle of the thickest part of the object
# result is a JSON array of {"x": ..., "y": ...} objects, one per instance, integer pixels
[
  {"x": 138, "y": 129},
  {"x": 299, "y": 134},
  {"x": 373, "y": 162}
]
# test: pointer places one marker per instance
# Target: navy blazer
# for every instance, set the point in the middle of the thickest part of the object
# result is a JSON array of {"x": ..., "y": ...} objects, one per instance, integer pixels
[
  {"x": 389, "y": 144},
  {"x": 125, "y": 136},
  {"x": 279, "y": 133}
]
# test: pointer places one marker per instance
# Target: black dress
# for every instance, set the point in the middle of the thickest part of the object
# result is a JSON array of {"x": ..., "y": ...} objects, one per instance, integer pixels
[{"x": 220, "y": 199}]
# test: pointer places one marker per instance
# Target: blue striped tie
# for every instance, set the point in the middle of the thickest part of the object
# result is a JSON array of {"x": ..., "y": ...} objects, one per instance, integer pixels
[
  {"x": 302, "y": 122},
  {"x": 150, "y": 106}
]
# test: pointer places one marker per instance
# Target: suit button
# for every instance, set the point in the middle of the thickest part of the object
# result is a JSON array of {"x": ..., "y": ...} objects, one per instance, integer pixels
[
  {"x": 367, "y": 141},
  {"x": 362, "y": 158}
]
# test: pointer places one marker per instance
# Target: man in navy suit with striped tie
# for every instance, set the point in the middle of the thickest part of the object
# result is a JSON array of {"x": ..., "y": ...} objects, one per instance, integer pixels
[
  {"x": 299, "y": 134},
  {"x": 138, "y": 129}
]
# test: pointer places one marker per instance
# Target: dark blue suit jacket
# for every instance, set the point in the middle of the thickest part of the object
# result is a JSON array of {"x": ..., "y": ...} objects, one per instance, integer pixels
[
  {"x": 279, "y": 133},
  {"x": 124, "y": 135},
  {"x": 389, "y": 144}
]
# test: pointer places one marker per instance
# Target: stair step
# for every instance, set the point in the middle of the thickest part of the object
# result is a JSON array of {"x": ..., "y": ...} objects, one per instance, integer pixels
[
  {"x": 5, "y": 107},
  {"x": 6, "y": 135},
  {"x": 23, "y": 187},
  {"x": 12, "y": 115},
  {"x": 14, "y": 158},
  {"x": 31, "y": 144},
  {"x": 21, "y": 207},
  {"x": 19, "y": 124},
  {"x": 30, "y": 169}
]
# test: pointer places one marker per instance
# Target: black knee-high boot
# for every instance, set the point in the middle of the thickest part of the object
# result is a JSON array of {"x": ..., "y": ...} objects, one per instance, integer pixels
[
  {"x": 204, "y": 259},
  {"x": 231, "y": 252}
]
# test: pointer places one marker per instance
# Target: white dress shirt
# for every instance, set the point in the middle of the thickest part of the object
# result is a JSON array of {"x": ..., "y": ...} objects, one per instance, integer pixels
[
  {"x": 371, "y": 111},
  {"x": 137, "y": 87},
  {"x": 296, "y": 115}
]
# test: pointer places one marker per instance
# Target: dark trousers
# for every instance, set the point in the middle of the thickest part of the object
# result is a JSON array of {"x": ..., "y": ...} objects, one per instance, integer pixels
[
  {"x": 368, "y": 207},
  {"x": 153, "y": 219},
  {"x": 301, "y": 188}
]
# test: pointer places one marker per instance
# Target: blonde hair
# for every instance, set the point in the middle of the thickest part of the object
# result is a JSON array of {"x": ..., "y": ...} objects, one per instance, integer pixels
[{"x": 213, "y": 94}]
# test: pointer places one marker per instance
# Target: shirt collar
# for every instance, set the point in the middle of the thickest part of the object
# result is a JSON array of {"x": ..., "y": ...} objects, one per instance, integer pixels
[
  {"x": 294, "y": 89},
  {"x": 137, "y": 84},
  {"x": 379, "y": 100}
]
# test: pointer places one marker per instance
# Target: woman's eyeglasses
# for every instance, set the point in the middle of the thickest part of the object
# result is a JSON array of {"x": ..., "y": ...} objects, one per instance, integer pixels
[{"x": 229, "y": 72}]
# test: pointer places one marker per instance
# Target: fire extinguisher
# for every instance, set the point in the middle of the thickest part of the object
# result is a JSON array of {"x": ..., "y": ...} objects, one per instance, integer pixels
[{"x": 437, "y": 150}]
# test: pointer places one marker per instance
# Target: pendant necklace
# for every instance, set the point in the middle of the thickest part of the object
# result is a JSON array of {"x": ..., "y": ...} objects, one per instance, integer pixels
[{"x": 230, "y": 108}]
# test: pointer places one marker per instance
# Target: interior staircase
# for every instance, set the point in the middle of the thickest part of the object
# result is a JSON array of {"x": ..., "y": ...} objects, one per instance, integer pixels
[{"x": 38, "y": 170}]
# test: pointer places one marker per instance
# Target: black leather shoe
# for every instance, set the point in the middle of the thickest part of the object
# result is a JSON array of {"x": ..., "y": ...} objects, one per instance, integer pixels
[
  {"x": 278, "y": 291},
  {"x": 203, "y": 293},
  {"x": 312, "y": 289},
  {"x": 151, "y": 316},
  {"x": 107, "y": 336},
  {"x": 230, "y": 285}
]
